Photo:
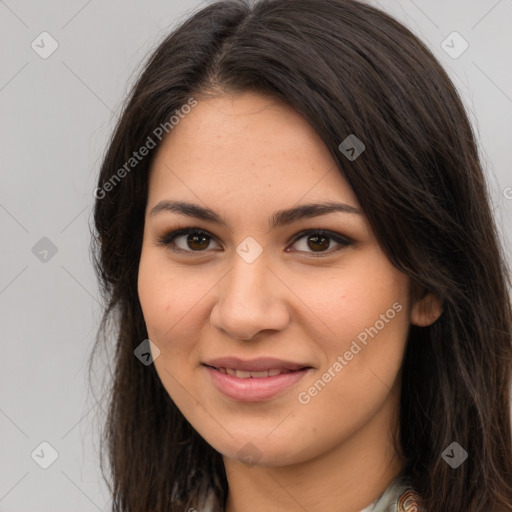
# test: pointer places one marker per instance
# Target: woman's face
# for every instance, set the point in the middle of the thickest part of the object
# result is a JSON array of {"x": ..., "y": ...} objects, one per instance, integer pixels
[{"x": 264, "y": 283}]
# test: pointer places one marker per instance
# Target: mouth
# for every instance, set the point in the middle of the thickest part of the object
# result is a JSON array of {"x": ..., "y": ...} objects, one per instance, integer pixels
[
  {"x": 256, "y": 380},
  {"x": 245, "y": 374}
]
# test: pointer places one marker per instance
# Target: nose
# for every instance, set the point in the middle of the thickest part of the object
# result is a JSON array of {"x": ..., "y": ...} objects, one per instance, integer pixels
[{"x": 251, "y": 299}]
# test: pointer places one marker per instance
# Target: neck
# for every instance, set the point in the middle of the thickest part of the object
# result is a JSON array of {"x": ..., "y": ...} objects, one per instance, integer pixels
[{"x": 345, "y": 478}]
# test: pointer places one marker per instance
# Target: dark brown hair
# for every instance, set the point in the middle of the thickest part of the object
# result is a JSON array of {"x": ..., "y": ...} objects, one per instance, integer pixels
[{"x": 347, "y": 68}]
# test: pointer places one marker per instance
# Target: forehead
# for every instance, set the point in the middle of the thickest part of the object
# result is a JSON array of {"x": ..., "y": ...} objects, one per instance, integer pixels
[{"x": 245, "y": 150}]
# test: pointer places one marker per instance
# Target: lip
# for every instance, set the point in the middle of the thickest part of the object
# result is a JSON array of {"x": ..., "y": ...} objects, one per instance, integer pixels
[
  {"x": 254, "y": 365},
  {"x": 254, "y": 389}
]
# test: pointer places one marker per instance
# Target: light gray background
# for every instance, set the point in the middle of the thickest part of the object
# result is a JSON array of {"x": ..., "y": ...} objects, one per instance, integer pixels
[{"x": 56, "y": 117}]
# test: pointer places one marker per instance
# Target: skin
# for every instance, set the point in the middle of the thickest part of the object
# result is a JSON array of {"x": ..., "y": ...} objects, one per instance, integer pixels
[{"x": 246, "y": 156}]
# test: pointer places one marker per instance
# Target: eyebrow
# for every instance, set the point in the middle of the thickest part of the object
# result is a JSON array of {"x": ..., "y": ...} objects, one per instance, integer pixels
[{"x": 279, "y": 218}]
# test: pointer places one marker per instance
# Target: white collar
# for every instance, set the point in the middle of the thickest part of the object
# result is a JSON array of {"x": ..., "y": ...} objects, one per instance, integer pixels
[{"x": 399, "y": 496}]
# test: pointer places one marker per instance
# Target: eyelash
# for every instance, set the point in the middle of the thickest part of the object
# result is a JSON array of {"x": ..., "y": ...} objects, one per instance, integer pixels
[{"x": 167, "y": 240}]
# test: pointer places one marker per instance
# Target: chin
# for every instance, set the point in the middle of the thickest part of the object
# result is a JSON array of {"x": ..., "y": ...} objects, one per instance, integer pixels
[{"x": 254, "y": 450}]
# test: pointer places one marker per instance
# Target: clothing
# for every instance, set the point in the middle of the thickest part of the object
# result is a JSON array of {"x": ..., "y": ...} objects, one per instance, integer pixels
[{"x": 399, "y": 496}]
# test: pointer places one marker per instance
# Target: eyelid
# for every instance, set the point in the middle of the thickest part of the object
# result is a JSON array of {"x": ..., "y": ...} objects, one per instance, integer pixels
[
  {"x": 343, "y": 241},
  {"x": 337, "y": 237},
  {"x": 167, "y": 239}
]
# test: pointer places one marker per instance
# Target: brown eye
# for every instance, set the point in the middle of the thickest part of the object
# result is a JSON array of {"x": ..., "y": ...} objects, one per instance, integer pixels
[
  {"x": 314, "y": 242},
  {"x": 186, "y": 240},
  {"x": 198, "y": 241},
  {"x": 319, "y": 242}
]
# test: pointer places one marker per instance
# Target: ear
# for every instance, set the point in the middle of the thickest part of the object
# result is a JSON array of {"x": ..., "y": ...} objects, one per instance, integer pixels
[{"x": 426, "y": 309}]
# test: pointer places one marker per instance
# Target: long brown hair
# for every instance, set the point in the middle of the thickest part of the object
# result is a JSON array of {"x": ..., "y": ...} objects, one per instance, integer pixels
[{"x": 347, "y": 68}]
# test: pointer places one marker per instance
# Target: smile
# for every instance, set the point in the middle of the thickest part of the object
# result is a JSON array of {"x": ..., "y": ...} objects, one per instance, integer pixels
[
  {"x": 244, "y": 374},
  {"x": 253, "y": 386}
]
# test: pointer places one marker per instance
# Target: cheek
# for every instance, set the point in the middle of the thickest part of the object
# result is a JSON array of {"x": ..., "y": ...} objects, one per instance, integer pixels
[
  {"x": 173, "y": 306},
  {"x": 165, "y": 294},
  {"x": 167, "y": 303},
  {"x": 151, "y": 291},
  {"x": 350, "y": 299},
  {"x": 366, "y": 311},
  {"x": 368, "y": 314}
]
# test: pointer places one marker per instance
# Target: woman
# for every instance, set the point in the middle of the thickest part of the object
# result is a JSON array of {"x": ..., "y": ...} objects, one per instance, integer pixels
[{"x": 294, "y": 237}]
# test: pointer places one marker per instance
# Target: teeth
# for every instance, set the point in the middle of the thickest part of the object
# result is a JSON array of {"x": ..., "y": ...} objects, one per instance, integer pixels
[
  {"x": 263, "y": 373},
  {"x": 244, "y": 374}
]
